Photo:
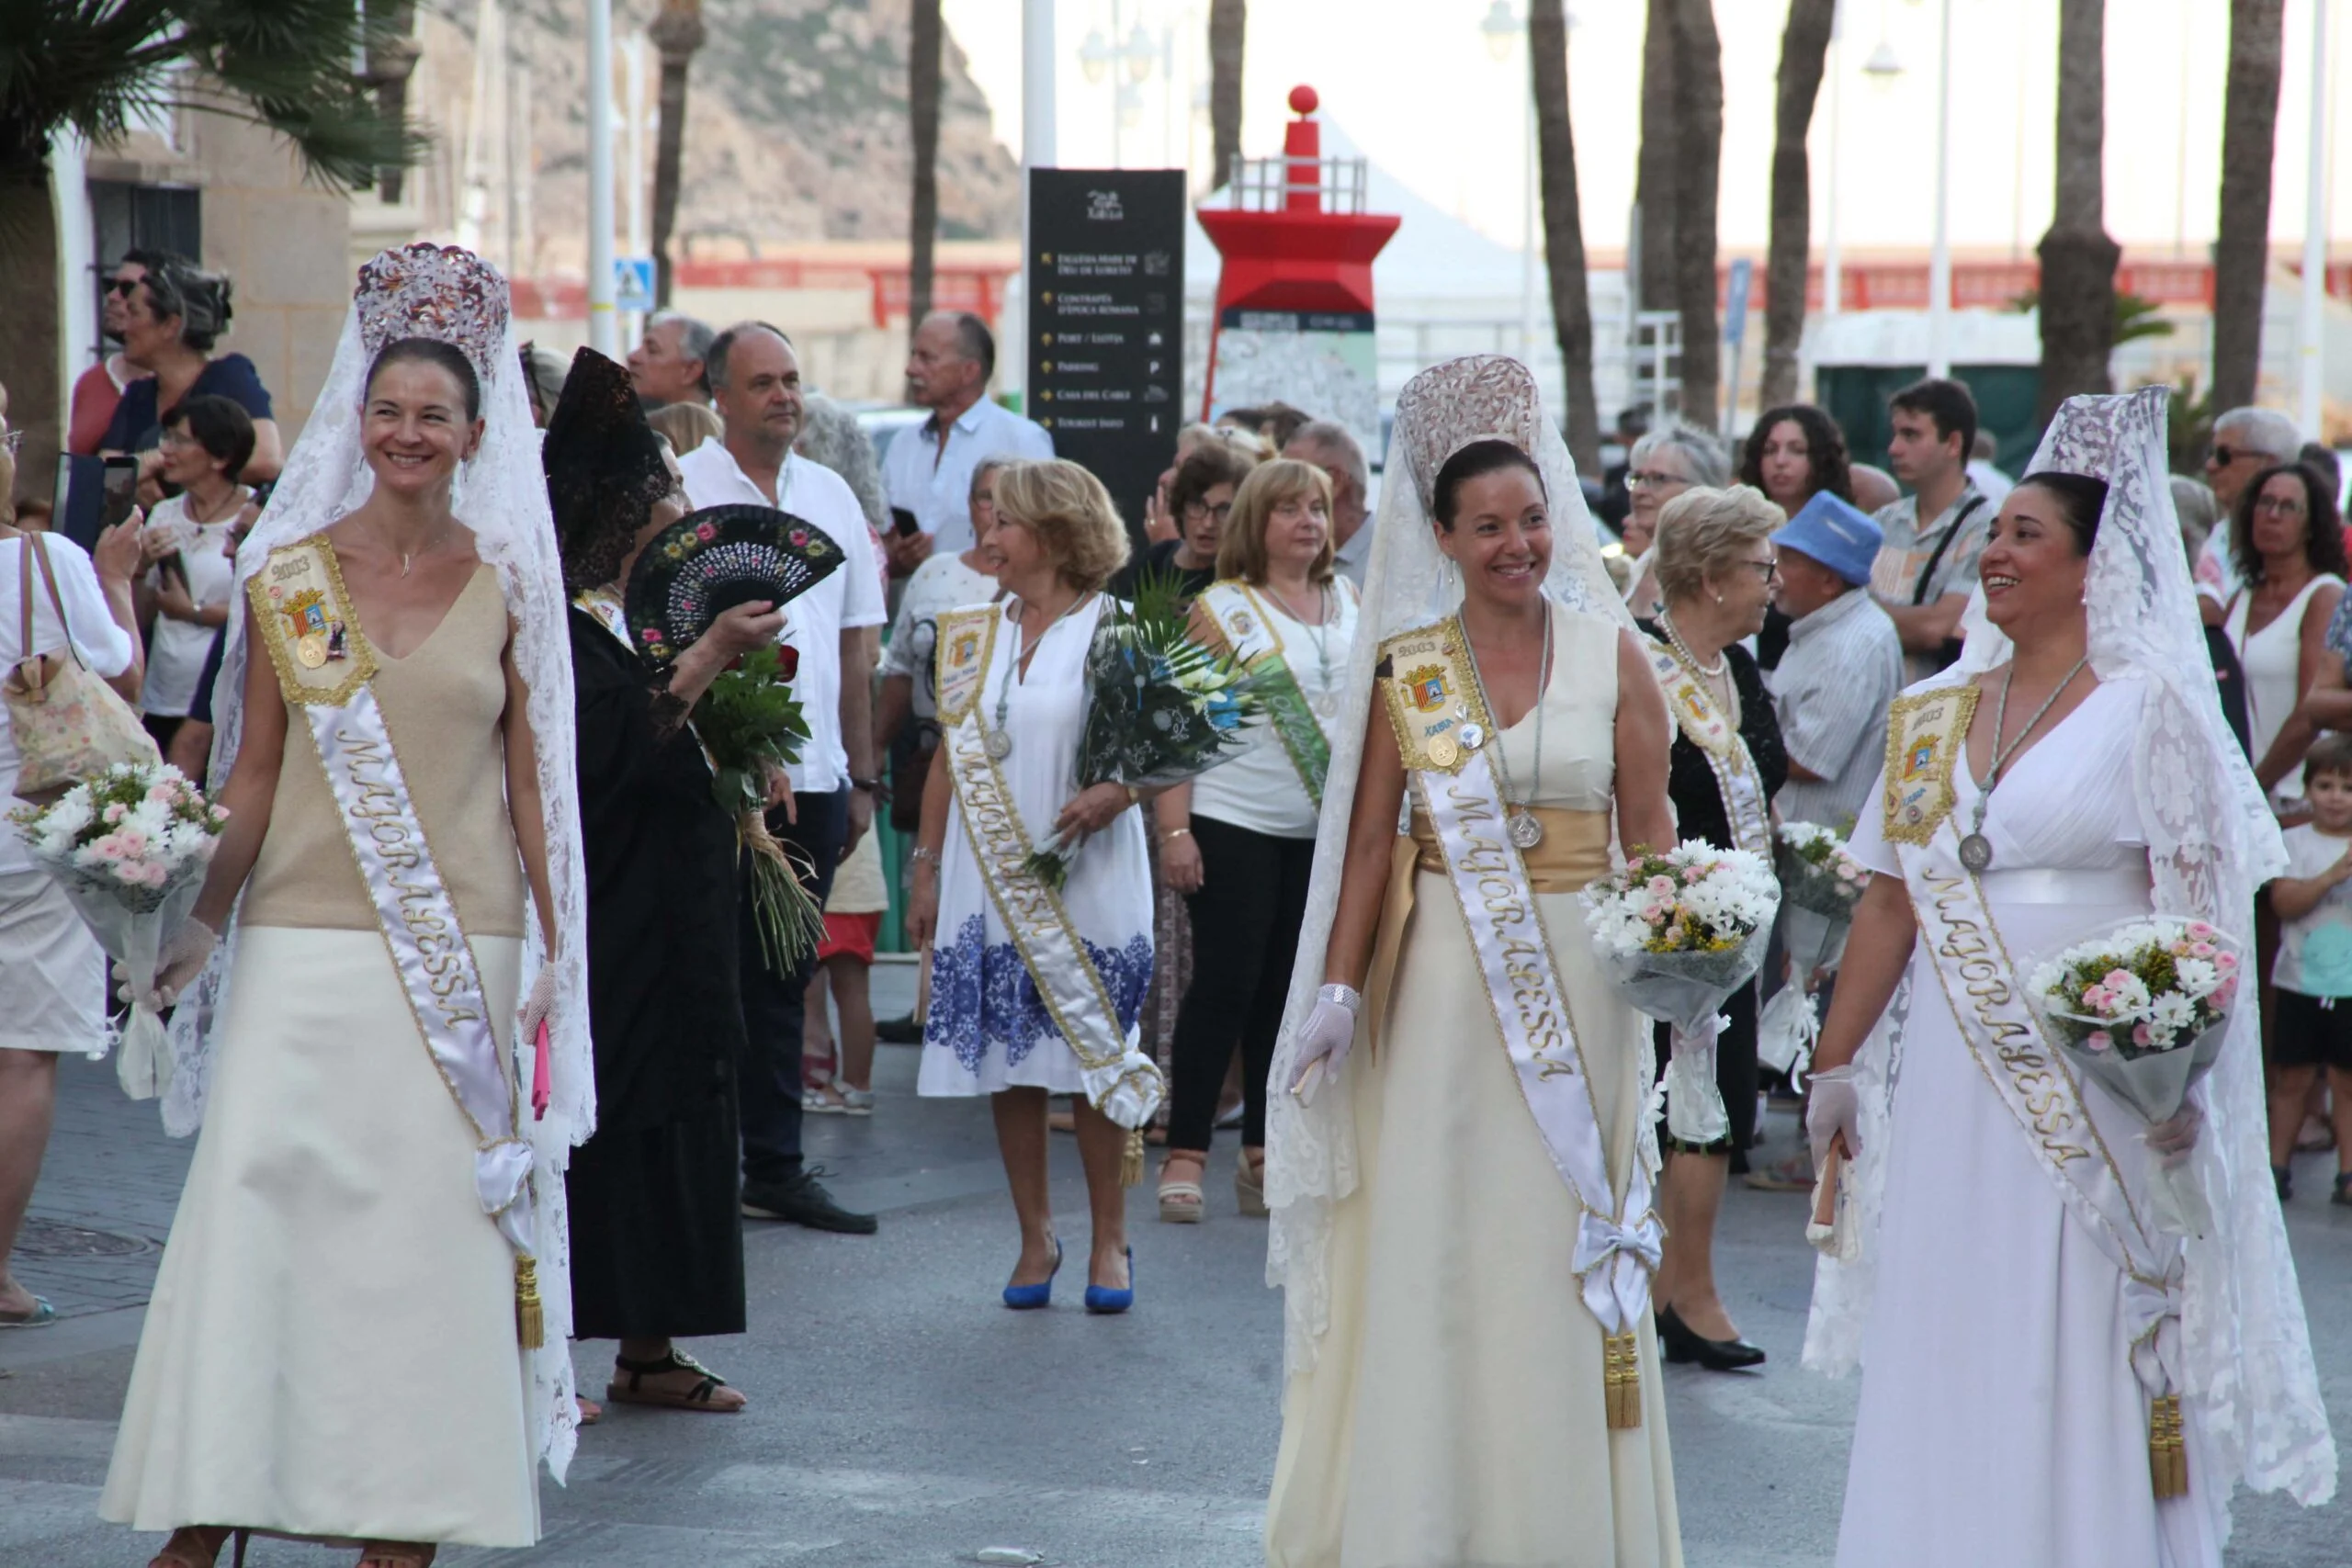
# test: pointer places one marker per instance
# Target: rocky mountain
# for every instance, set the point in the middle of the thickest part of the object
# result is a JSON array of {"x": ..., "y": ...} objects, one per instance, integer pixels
[{"x": 796, "y": 123}]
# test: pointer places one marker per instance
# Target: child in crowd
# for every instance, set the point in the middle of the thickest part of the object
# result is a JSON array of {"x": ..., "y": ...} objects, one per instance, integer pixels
[
  {"x": 842, "y": 1083},
  {"x": 2312, "y": 1026}
]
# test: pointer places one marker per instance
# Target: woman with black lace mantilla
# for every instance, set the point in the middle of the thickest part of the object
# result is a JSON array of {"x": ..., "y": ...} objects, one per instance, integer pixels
[{"x": 657, "y": 1233}]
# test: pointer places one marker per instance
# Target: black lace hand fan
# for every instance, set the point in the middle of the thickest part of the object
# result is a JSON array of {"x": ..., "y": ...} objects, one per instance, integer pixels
[{"x": 709, "y": 561}]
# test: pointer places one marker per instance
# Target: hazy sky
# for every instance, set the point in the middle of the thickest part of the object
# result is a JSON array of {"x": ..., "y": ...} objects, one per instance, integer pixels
[{"x": 1415, "y": 84}]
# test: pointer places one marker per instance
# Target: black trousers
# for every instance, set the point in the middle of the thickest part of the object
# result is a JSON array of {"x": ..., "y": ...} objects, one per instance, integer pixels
[
  {"x": 1253, "y": 899},
  {"x": 767, "y": 1075}
]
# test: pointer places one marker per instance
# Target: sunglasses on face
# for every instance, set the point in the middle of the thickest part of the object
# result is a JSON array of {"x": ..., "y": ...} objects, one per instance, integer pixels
[
  {"x": 124, "y": 288},
  {"x": 2224, "y": 455}
]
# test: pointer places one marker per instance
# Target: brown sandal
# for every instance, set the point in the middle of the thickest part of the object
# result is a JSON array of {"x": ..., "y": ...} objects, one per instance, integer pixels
[{"x": 677, "y": 1360}]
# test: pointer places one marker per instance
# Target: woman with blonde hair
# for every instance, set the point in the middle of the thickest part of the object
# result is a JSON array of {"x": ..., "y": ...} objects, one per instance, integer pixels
[
  {"x": 1715, "y": 568},
  {"x": 1033, "y": 992},
  {"x": 1238, "y": 843}
]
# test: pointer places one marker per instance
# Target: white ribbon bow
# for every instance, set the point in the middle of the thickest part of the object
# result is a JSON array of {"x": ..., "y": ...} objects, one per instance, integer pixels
[
  {"x": 2151, "y": 1312},
  {"x": 1615, "y": 1263}
]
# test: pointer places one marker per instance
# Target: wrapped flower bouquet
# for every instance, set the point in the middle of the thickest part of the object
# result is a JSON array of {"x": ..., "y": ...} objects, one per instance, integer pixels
[
  {"x": 1678, "y": 933},
  {"x": 2141, "y": 1008},
  {"x": 129, "y": 848},
  {"x": 1160, "y": 707},
  {"x": 1820, "y": 885},
  {"x": 749, "y": 722}
]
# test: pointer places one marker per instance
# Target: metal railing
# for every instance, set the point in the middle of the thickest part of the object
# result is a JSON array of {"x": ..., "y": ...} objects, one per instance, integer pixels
[{"x": 1271, "y": 184}]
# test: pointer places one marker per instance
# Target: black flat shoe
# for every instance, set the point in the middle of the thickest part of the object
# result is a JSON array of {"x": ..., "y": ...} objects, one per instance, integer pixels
[{"x": 1682, "y": 1344}]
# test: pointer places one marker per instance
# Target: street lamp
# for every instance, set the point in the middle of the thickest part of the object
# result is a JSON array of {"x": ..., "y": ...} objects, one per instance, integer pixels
[
  {"x": 1102, "y": 58},
  {"x": 1504, "y": 28},
  {"x": 1939, "y": 250}
]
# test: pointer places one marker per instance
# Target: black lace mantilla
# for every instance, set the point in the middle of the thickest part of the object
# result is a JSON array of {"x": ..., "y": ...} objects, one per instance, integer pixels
[{"x": 604, "y": 471}]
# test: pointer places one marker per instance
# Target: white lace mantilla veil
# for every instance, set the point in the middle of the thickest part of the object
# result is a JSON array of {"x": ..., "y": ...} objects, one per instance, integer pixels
[
  {"x": 501, "y": 494},
  {"x": 2213, "y": 842},
  {"x": 1310, "y": 1149}
]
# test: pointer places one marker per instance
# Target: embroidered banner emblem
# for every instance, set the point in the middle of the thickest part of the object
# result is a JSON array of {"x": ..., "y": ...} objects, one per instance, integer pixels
[{"x": 1925, "y": 734}]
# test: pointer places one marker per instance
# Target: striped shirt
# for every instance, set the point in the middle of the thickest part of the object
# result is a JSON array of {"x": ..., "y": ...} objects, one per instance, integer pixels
[{"x": 1843, "y": 666}]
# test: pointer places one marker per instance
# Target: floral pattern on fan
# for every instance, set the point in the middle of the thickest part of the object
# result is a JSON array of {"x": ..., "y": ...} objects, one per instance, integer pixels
[{"x": 711, "y": 561}]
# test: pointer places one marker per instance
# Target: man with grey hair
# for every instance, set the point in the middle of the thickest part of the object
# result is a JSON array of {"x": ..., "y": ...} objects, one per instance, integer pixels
[
  {"x": 1331, "y": 447},
  {"x": 2246, "y": 442},
  {"x": 928, "y": 469},
  {"x": 670, "y": 364}
]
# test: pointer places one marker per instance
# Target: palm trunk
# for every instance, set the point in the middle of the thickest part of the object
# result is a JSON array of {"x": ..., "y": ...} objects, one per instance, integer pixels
[
  {"x": 1804, "y": 47},
  {"x": 1555, "y": 146},
  {"x": 31, "y": 325},
  {"x": 1228, "y": 28},
  {"x": 2242, "y": 242},
  {"x": 677, "y": 32},
  {"x": 1699, "y": 101},
  {"x": 391, "y": 60},
  {"x": 2077, "y": 256},
  {"x": 922, "y": 112},
  {"x": 1656, "y": 164}
]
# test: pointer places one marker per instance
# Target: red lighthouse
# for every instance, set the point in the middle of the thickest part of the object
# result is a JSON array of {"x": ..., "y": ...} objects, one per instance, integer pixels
[{"x": 1295, "y": 299}]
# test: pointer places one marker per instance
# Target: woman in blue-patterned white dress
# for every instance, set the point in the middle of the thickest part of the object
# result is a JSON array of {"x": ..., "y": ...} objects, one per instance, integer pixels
[{"x": 1012, "y": 692}]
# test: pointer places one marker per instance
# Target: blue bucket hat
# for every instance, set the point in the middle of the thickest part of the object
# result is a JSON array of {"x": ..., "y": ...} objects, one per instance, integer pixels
[{"x": 1838, "y": 534}]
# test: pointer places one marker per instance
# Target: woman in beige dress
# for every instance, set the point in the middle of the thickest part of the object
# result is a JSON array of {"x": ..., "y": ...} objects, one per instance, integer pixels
[
  {"x": 347, "y": 1341},
  {"x": 1455, "y": 1399}
]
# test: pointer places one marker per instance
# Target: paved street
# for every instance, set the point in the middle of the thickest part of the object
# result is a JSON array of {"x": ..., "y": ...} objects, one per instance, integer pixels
[{"x": 899, "y": 1417}]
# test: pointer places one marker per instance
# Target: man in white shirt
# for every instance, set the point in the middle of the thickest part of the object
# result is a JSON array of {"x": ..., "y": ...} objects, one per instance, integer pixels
[
  {"x": 928, "y": 469},
  {"x": 671, "y": 363},
  {"x": 755, "y": 384},
  {"x": 1331, "y": 448}
]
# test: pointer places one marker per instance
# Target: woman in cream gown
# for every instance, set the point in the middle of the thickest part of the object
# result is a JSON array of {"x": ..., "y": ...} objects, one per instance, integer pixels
[{"x": 1449, "y": 1410}]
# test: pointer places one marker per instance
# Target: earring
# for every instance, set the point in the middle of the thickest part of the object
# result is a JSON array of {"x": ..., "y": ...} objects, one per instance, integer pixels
[{"x": 1719, "y": 598}]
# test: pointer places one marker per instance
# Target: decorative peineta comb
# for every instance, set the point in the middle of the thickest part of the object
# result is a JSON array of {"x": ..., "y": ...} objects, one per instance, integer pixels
[
  {"x": 1480, "y": 396},
  {"x": 434, "y": 291}
]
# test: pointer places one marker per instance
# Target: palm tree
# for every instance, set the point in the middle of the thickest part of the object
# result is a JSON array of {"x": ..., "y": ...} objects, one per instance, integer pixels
[
  {"x": 1555, "y": 145},
  {"x": 2242, "y": 242},
  {"x": 1804, "y": 46},
  {"x": 2077, "y": 256},
  {"x": 1698, "y": 153},
  {"x": 94, "y": 66},
  {"x": 1228, "y": 26},
  {"x": 677, "y": 32},
  {"x": 1655, "y": 163},
  {"x": 923, "y": 111},
  {"x": 391, "y": 60}
]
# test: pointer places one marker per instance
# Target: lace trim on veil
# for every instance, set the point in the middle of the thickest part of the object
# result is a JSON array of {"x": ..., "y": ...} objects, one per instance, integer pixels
[
  {"x": 501, "y": 495},
  {"x": 1310, "y": 1150},
  {"x": 2213, "y": 843}
]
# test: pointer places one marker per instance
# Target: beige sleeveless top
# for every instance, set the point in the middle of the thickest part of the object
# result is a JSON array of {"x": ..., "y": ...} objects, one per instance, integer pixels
[{"x": 443, "y": 704}]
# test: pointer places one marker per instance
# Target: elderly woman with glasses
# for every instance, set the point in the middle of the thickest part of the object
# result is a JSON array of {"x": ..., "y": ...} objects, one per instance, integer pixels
[
  {"x": 1662, "y": 464},
  {"x": 1199, "y": 498},
  {"x": 168, "y": 315},
  {"x": 1716, "y": 565}
]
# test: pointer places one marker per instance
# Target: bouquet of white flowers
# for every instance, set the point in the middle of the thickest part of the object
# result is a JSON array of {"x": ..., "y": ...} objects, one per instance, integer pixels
[
  {"x": 129, "y": 846},
  {"x": 2142, "y": 1008},
  {"x": 1678, "y": 933},
  {"x": 1820, "y": 885}
]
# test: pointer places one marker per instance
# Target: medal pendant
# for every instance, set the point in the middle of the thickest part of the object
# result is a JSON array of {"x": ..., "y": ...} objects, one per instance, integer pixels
[
  {"x": 312, "y": 649},
  {"x": 1976, "y": 852},
  {"x": 1443, "y": 752},
  {"x": 1525, "y": 831},
  {"x": 998, "y": 745},
  {"x": 1326, "y": 705},
  {"x": 1472, "y": 736}
]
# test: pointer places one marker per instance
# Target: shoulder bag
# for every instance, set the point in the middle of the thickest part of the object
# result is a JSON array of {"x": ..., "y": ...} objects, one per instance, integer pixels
[{"x": 68, "y": 724}]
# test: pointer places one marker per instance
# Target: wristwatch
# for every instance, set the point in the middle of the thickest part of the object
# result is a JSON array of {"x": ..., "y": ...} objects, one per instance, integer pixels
[{"x": 871, "y": 786}]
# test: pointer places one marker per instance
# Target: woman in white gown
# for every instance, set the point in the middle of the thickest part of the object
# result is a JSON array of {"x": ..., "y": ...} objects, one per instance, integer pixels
[
  {"x": 2022, "y": 1315},
  {"x": 1462, "y": 1208}
]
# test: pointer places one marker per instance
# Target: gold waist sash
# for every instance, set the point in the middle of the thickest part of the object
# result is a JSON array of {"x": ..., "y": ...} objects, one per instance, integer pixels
[{"x": 1573, "y": 855}]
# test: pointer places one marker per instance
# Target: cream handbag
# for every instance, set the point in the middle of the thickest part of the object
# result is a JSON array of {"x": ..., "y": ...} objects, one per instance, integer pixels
[{"x": 68, "y": 724}]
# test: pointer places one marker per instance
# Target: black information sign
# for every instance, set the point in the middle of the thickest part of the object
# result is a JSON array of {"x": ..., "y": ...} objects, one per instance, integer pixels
[{"x": 1106, "y": 321}]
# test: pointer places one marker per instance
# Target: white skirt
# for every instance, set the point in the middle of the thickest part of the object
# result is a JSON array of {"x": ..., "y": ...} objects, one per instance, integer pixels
[
  {"x": 52, "y": 972},
  {"x": 330, "y": 1348}
]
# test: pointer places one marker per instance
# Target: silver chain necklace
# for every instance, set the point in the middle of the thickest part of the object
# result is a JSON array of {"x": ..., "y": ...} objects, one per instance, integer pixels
[
  {"x": 1318, "y": 633},
  {"x": 1976, "y": 850},
  {"x": 998, "y": 741},
  {"x": 1524, "y": 830}
]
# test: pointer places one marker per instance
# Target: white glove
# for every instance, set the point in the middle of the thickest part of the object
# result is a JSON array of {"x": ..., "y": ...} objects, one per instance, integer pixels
[
  {"x": 540, "y": 1003},
  {"x": 2175, "y": 1140},
  {"x": 1326, "y": 1039},
  {"x": 1835, "y": 1108},
  {"x": 182, "y": 959}
]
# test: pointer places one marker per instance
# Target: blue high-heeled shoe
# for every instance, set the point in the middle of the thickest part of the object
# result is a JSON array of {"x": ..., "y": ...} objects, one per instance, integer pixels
[
  {"x": 1029, "y": 1298},
  {"x": 1105, "y": 1301}
]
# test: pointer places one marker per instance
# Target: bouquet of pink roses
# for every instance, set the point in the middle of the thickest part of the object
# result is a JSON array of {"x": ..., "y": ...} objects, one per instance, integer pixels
[
  {"x": 2142, "y": 1008},
  {"x": 129, "y": 846}
]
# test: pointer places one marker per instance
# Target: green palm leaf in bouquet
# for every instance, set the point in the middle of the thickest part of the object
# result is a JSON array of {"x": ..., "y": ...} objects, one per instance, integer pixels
[{"x": 749, "y": 721}]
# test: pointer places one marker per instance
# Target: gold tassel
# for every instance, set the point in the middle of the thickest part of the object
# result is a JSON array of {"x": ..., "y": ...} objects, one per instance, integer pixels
[
  {"x": 1620, "y": 1361},
  {"x": 2167, "y": 1452},
  {"x": 1131, "y": 1160},
  {"x": 530, "y": 1320}
]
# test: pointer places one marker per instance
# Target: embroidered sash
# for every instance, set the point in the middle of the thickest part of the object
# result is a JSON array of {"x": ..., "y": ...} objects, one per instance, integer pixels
[
  {"x": 1251, "y": 633},
  {"x": 1619, "y": 1240},
  {"x": 324, "y": 665},
  {"x": 1702, "y": 719},
  {"x": 1121, "y": 1081},
  {"x": 2028, "y": 1074}
]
